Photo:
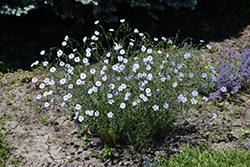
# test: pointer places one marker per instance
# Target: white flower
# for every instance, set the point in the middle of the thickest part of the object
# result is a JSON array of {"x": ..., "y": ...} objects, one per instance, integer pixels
[
  {"x": 65, "y": 98},
  {"x": 191, "y": 75},
  {"x": 63, "y": 81},
  {"x": 122, "y": 105},
  {"x": 134, "y": 103},
  {"x": 169, "y": 41},
  {"x": 98, "y": 83},
  {"x": 42, "y": 52},
  {"x": 78, "y": 107},
  {"x": 122, "y": 52},
  {"x": 34, "y": 80},
  {"x": 59, "y": 53},
  {"x": 110, "y": 96},
  {"x": 174, "y": 84},
  {"x": 53, "y": 69},
  {"x": 125, "y": 61},
  {"x": 159, "y": 52},
  {"x": 111, "y": 101},
  {"x": 94, "y": 89},
  {"x": 120, "y": 58},
  {"x": 42, "y": 85},
  {"x": 145, "y": 99},
  {"x": 38, "y": 97},
  {"x": 112, "y": 86},
  {"x": 115, "y": 67},
  {"x": 149, "y": 51},
  {"x": 110, "y": 115},
  {"x": 150, "y": 77},
  {"x": 143, "y": 48},
  {"x": 148, "y": 90},
  {"x": 84, "y": 39},
  {"x": 52, "y": 82},
  {"x": 71, "y": 56},
  {"x": 194, "y": 101},
  {"x": 155, "y": 107},
  {"x": 85, "y": 60},
  {"x": 122, "y": 20},
  {"x": 136, "y": 31},
  {"x": 77, "y": 59},
  {"x": 108, "y": 54},
  {"x": 166, "y": 105},
  {"x": 194, "y": 93},
  {"x": 155, "y": 39},
  {"x": 45, "y": 94},
  {"x": 45, "y": 63},
  {"x": 83, "y": 76},
  {"x": 64, "y": 43},
  {"x": 141, "y": 34},
  {"x": 79, "y": 82},
  {"x": 149, "y": 58},
  {"x": 209, "y": 47},
  {"x": 223, "y": 89},
  {"x": 63, "y": 104},
  {"x": 131, "y": 43},
  {"x": 92, "y": 71},
  {"x": 91, "y": 112},
  {"x": 46, "y": 104},
  {"x": 66, "y": 38},
  {"x": 104, "y": 78},
  {"x": 111, "y": 30},
  {"x": 163, "y": 38},
  {"x": 187, "y": 55},
  {"x": 81, "y": 118},
  {"x": 97, "y": 33},
  {"x": 106, "y": 61},
  {"x": 204, "y": 75},
  {"x": 205, "y": 98},
  {"x": 96, "y": 22},
  {"x": 90, "y": 91},
  {"x": 148, "y": 67},
  {"x": 61, "y": 64},
  {"x": 50, "y": 92},
  {"x": 53, "y": 100},
  {"x": 69, "y": 95},
  {"x": 70, "y": 86},
  {"x": 35, "y": 63},
  {"x": 117, "y": 46},
  {"x": 97, "y": 113}
]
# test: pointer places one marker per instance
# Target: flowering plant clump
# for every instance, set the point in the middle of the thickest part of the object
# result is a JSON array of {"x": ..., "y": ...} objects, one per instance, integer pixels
[
  {"x": 233, "y": 75},
  {"x": 135, "y": 92}
]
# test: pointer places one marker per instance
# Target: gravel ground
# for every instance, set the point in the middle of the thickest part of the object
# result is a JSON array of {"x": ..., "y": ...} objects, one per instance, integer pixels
[{"x": 57, "y": 143}]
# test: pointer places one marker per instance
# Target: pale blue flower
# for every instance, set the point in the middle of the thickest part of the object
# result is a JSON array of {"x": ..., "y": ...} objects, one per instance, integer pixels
[
  {"x": 81, "y": 118},
  {"x": 71, "y": 56},
  {"x": 53, "y": 69},
  {"x": 59, "y": 53},
  {"x": 195, "y": 93},
  {"x": 97, "y": 113},
  {"x": 155, "y": 107},
  {"x": 46, "y": 104},
  {"x": 214, "y": 116},
  {"x": 194, "y": 101},
  {"x": 166, "y": 105},
  {"x": 110, "y": 115},
  {"x": 122, "y": 105},
  {"x": 42, "y": 52},
  {"x": 223, "y": 89},
  {"x": 209, "y": 47}
]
